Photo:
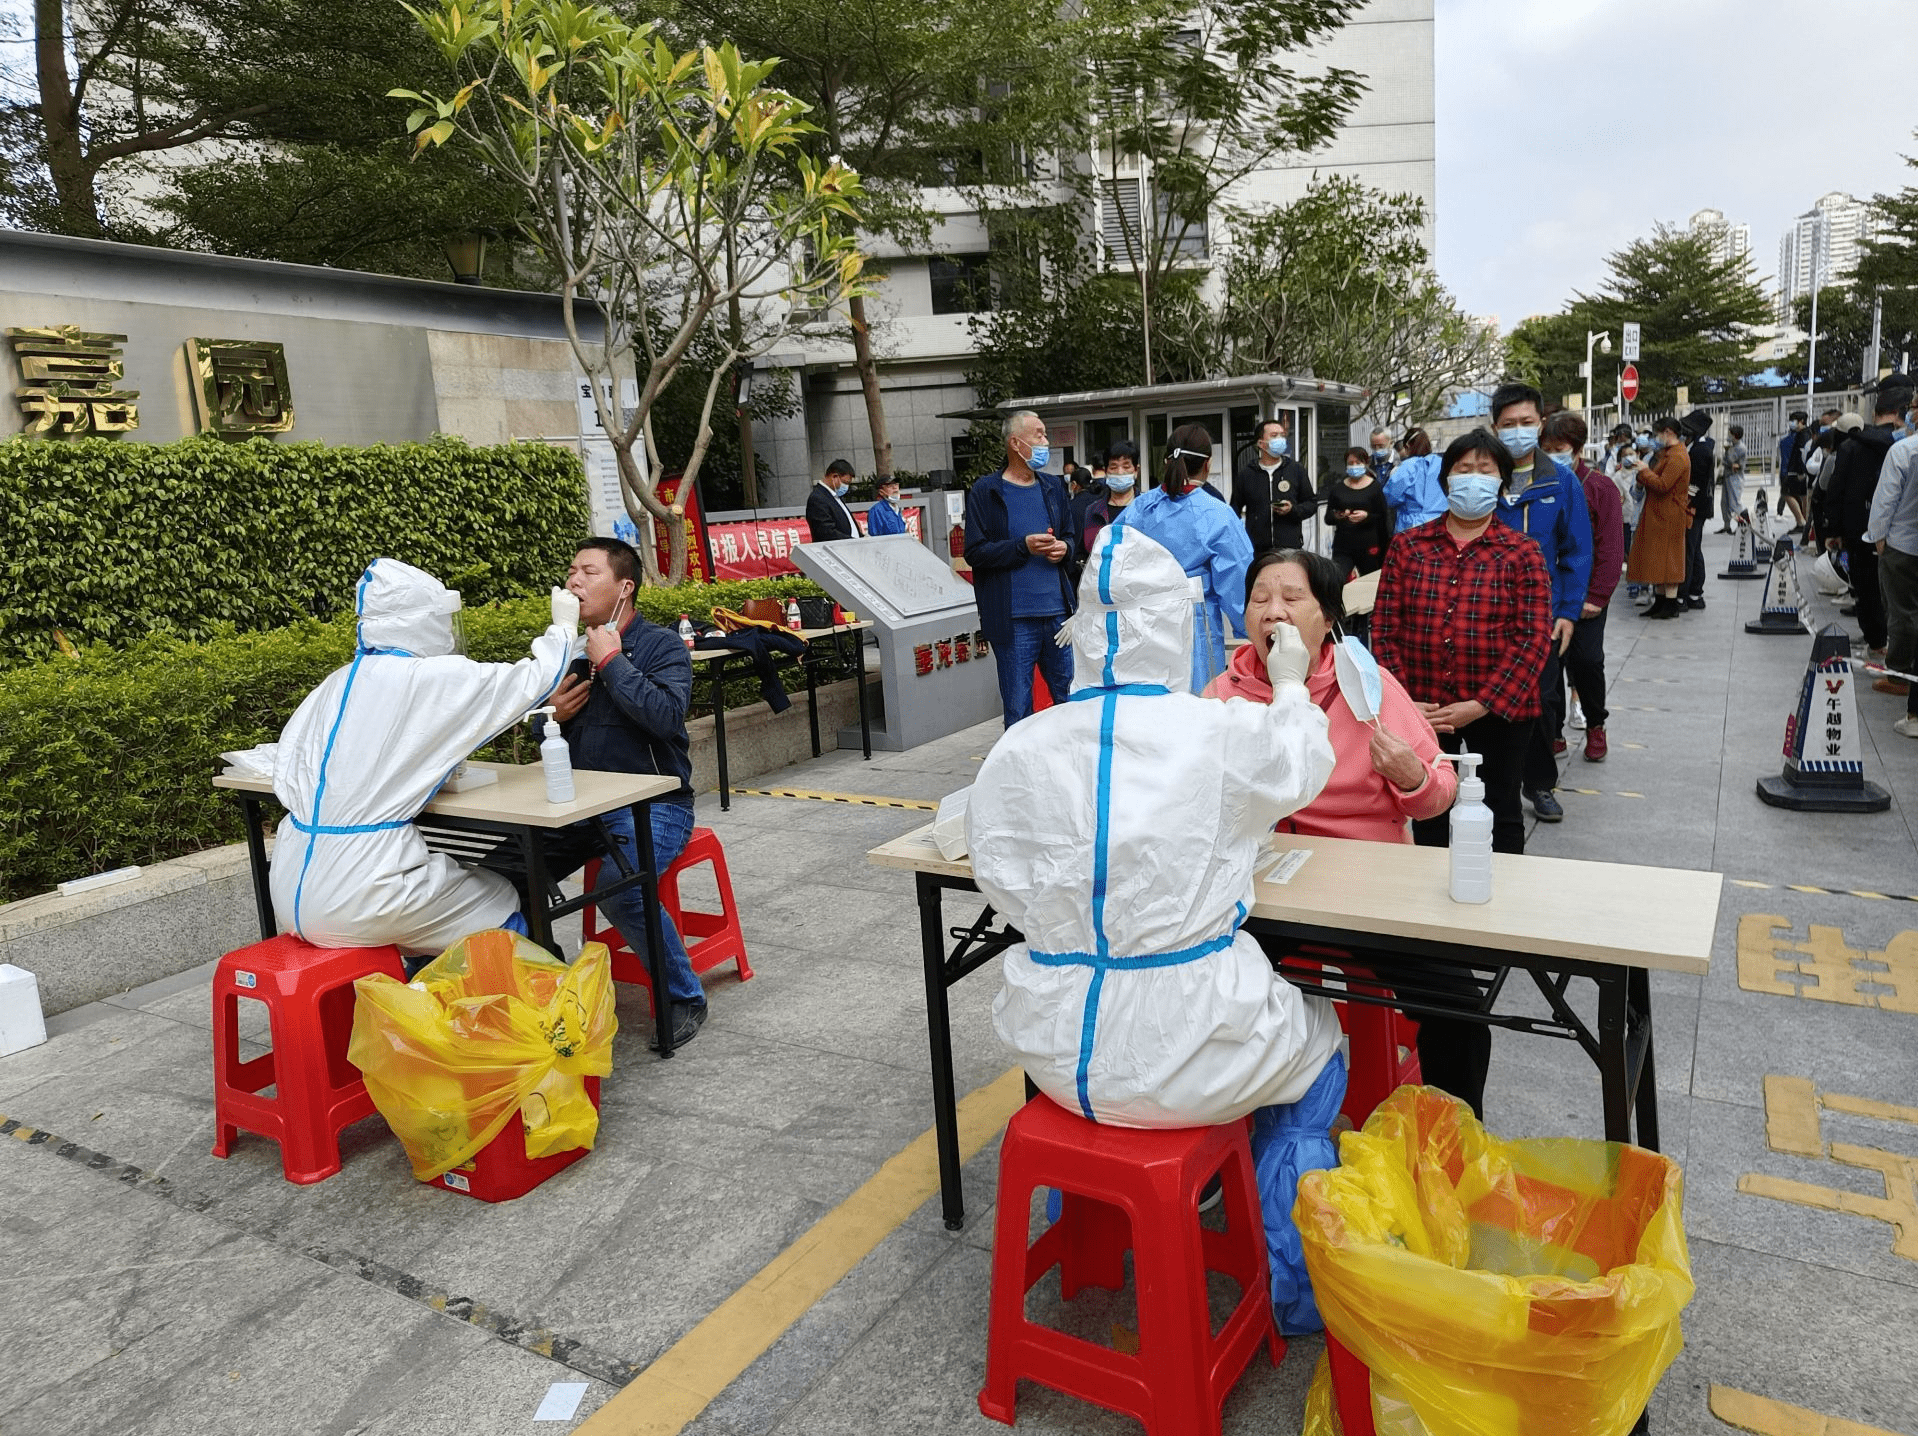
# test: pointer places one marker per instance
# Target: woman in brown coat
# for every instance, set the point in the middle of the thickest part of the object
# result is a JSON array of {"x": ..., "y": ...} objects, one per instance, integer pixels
[{"x": 1658, "y": 544}]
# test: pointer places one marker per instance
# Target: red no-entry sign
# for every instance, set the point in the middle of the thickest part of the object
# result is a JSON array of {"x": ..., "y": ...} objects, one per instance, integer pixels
[{"x": 1628, "y": 383}]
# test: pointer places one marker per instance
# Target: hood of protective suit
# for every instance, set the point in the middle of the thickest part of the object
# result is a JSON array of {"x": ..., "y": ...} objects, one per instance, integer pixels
[
  {"x": 1134, "y": 624},
  {"x": 404, "y": 610}
]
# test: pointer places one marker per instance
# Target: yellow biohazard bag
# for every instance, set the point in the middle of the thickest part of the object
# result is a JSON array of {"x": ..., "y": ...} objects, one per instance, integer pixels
[
  {"x": 492, "y": 1029},
  {"x": 1494, "y": 1288}
]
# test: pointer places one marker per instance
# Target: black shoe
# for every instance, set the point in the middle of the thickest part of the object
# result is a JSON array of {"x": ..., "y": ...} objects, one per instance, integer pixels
[
  {"x": 1663, "y": 608},
  {"x": 1721, "y": 531},
  {"x": 1695, "y": 602},
  {"x": 688, "y": 1018},
  {"x": 1547, "y": 807}
]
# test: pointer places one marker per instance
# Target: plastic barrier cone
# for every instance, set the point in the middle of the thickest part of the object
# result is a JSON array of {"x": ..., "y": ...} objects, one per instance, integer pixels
[
  {"x": 1744, "y": 561},
  {"x": 1824, "y": 772},
  {"x": 1783, "y": 604},
  {"x": 1762, "y": 541}
]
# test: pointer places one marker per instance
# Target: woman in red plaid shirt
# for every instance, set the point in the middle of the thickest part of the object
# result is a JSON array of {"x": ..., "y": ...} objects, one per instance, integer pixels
[{"x": 1463, "y": 620}]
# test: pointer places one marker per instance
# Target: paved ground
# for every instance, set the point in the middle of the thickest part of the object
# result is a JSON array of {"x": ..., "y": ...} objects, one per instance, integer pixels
[{"x": 150, "y": 1287}]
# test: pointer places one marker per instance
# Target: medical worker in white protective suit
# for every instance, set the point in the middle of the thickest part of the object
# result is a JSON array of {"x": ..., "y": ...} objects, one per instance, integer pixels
[
  {"x": 370, "y": 747},
  {"x": 1118, "y": 832}
]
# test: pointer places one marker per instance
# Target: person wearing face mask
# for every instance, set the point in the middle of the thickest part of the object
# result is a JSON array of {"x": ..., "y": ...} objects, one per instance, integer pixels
[
  {"x": 1546, "y": 503},
  {"x": 827, "y": 516},
  {"x": 1271, "y": 491},
  {"x": 1121, "y": 485},
  {"x": 1019, "y": 542},
  {"x": 1202, "y": 535},
  {"x": 1732, "y": 478},
  {"x": 1701, "y": 453},
  {"x": 1854, "y": 481},
  {"x": 1355, "y": 509},
  {"x": 1464, "y": 621},
  {"x": 1793, "y": 485},
  {"x": 1658, "y": 542},
  {"x": 1381, "y": 456},
  {"x": 1413, "y": 491},
  {"x": 1563, "y": 442},
  {"x": 884, "y": 517}
]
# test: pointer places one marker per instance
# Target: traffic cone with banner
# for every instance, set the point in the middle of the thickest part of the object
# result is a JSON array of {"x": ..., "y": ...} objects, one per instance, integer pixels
[
  {"x": 1744, "y": 561},
  {"x": 1762, "y": 540},
  {"x": 1783, "y": 603},
  {"x": 1824, "y": 766}
]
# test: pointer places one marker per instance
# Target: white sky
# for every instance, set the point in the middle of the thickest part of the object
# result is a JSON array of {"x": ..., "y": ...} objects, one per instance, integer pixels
[{"x": 1597, "y": 117}]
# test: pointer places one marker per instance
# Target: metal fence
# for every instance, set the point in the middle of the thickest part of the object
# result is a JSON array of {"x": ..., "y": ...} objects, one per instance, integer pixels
[{"x": 1764, "y": 421}]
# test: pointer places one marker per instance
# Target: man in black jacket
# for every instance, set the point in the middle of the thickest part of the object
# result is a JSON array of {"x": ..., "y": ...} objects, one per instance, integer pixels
[
  {"x": 1703, "y": 453},
  {"x": 622, "y": 709},
  {"x": 1271, "y": 491},
  {"x": 827, "y": 516},
  {"x": 1854, "y": 481}
]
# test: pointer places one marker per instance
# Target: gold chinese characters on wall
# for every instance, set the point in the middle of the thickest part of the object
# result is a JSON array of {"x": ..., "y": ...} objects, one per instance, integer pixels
[
  {"x": 70, "y": 381},
  {"x": 240, "y": 386}
]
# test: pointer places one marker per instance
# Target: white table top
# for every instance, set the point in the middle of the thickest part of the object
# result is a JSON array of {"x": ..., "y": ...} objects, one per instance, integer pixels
[
  {"x": 1555, "y": 907},
  {"x": 519, "y": 797},
  {"x": 702, "y": 655}
]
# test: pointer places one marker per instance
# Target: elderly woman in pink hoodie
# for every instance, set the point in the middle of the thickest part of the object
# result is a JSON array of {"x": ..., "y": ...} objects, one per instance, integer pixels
[{"x": 1384, "y": 775}]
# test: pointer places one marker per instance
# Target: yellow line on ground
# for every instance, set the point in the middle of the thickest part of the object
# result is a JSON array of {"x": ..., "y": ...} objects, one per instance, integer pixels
[
  {"x": 671, "y": 1392},
  {"x": 868, "y": 799},
  {"x": 1765, "y": 1417}
]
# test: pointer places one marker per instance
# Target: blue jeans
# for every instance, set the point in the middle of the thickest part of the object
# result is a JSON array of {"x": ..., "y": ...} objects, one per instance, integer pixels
[
  {"x": 1032, "y": 644},
  {"x": 569, "y": 849}
]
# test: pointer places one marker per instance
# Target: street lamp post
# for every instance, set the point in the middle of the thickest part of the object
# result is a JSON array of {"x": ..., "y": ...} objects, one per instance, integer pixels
[
  {"x": 1604, "y": 340},
  {"x": 1811, "y": 366}
]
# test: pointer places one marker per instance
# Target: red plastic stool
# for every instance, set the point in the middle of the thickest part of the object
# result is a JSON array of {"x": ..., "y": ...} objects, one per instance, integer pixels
[
  {"x": 711, "y": 939},
  {"x": 1140, "y": 1189},
  {"x": 1351, "y": 1389},
  {"x": 308, "y": 992}
]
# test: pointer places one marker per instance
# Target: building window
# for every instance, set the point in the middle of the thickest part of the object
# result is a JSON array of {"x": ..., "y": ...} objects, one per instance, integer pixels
[
  {"x": 961, "y": 284},
  {"x": 1119, "y": 218}
]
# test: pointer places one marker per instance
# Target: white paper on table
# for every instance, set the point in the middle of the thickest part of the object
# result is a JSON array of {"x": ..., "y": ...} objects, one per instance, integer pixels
[
  {"x": 1280, "y": 867},
  {"x": 562, "y": 1401}
]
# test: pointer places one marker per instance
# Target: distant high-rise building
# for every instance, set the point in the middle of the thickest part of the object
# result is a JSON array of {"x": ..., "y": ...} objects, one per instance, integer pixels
[
  {"x": 1729, "y": 240},
  {"x": 1828, "y": 233}
]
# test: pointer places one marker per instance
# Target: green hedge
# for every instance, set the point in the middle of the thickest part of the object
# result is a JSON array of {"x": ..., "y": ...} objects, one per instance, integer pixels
[
  {"x": 105, "y": 758},
  {"x": 115, "y": 542}
]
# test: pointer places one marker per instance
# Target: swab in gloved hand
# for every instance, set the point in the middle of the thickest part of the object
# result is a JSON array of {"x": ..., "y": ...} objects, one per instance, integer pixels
[
  {"x": 566, "y": 610},
  {"x": 1287, "y": 660}
]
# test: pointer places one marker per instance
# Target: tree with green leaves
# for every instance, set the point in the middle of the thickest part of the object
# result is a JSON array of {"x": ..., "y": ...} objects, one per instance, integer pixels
[
  {"x": 663, "y": 187},
  {"x": 1696, "y": 315},
  {"x": 1188, "y": 101}
]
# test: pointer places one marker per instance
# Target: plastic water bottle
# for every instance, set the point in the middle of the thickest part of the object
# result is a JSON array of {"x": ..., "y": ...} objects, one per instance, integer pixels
[
  {"x": 792, "y": 613},
  {"x": 557, "y": 759},
  {"x": 686, "y": 634},
  {"x": 1471, "y": 832}
]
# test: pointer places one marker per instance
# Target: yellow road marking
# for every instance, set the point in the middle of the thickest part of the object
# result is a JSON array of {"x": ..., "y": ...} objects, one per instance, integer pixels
[
  {"x": 867, "y": 799},
  {"x": 1765, "y": 1417},
  {"x": 1791, "y": 1117},
  {"x": 670, "y": 1393}
]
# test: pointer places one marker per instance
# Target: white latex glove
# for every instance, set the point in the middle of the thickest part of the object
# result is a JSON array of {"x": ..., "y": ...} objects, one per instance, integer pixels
[
  {"x": 1288, "y": 660},
  {"x": 1063, "y": 638},
  {"x": 566, "y": 610}
]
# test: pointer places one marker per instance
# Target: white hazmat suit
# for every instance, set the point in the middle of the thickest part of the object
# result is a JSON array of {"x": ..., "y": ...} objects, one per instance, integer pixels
[
  {"x": 1118, "y": 832},
  {"x": 370, "y": 747}
]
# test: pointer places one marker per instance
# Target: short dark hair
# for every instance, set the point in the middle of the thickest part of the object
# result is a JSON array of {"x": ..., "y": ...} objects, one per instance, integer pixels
[
  {"x": 1737, "y": 431},
  {"x": 1124, "y": 449},
  {"x": 1279, "y": 419},
  {"x": 1668, "y": 425},
  {"x": 1364, "y": 456},
  {"x": 1832, "y": 412},
  {"x": 1797, "y": 416},
  {"x": 840, "y": 468},
  {"x": 1567, "y": 426},
  {"x": 1506, "y": 395},
  {"x": 1890, "y": 401},
  {"x": 1322, "y": 576},
  {"x": 1478, "y": 441},
  {"x": 621, "y": 557}
]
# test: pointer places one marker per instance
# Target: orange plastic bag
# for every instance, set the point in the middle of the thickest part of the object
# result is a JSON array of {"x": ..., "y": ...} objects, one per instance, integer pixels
[
  {"x": 492, "y": 1029},
  {"x": 1495, "y": 1288}
]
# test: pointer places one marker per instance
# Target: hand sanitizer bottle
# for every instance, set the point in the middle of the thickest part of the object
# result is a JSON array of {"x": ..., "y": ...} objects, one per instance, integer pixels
[
  {"x": 557, "y": 759},
  {"x": 1471, "y": 833}
]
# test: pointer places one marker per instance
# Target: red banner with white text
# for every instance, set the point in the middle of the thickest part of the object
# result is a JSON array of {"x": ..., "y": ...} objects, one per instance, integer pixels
[{"x": 745, "y": 549}]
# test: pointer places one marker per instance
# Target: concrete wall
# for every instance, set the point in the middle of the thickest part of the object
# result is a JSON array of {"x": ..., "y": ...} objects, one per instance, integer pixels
[
  {"x": 493, "y": 387},
  {"x": 179, "y": 914}
]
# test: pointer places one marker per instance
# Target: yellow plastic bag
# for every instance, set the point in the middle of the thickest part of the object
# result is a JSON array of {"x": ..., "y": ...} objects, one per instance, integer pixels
[
  {"x": 492, "y": 1028},
  {"x": 1523, "y": 1288}
]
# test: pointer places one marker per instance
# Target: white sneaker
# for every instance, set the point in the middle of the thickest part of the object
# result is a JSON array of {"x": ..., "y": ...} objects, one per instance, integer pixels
[
  {"x": 1577, "y": 720},
  {"x": 1907, "y": 725}
]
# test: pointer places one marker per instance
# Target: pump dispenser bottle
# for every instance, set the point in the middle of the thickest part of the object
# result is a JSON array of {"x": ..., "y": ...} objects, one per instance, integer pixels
[
  {"x": 1471, "y": 833},
  {"x": 557, "y": 759}
]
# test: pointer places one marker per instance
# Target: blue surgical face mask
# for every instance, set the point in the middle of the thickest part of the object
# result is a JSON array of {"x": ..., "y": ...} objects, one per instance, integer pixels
[
  {"x": 1519, "y": 443},
  {"x": 839, "y": 490},
  {"x": 1471, "y": 496},
  {"x": 1277, "y": 446},
  {"x": 1041, "y": 456},
  {"x": 1119, "y": 483},
  {"x": 1564, "y": 460},
  {"x": 1356, "y": 471},
  {"x": 1381, "y": 454}
]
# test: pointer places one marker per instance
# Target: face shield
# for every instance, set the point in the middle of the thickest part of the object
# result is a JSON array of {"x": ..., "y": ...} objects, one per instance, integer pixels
[{"x": 455, "y": 614}]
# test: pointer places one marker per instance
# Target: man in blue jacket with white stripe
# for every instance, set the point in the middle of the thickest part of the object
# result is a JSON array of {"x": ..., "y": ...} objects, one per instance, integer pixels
[{"x": 1547, "y": 503}]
